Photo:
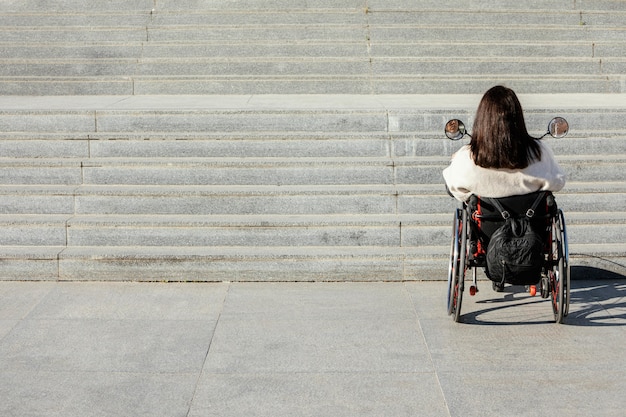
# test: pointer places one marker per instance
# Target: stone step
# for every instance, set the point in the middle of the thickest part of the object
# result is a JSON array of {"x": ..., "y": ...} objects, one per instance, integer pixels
[
  {"x": 314, "y": 66},
  {"x": 224, "y": 263},
  {"x": 356, "y": 47},
  {"x": 159, "y": 17},
  {"x": 375, "y": 57},
  {"x": 421, "y": 115},
  {"x": 337, "y": 49},
  {"x": 307, "y": 84},
  {"x": 289, "y": 5},
  {"x": 244, "y": 146},
  {"x": 35, "y": 6},
  {"x": 80, "y": 18},
  {"x": 279, "y": 200},
  {"x": 408, "y": 230},
  {"x": 267, "y": 171},
  {"x": 140, "y": 52},
  {"x": 473, "y": 33},
  {"x": 486, "y": 49},
  {"x": 260, "y": 264},
  {"x": 107, "y": 52},
  {"x": 520, "y": 14},
  {"x": 208, "y": 200},
  {"x": 555, "y": 6},
  {"x": 73, "y": 34},
  {"x": 344, "y": 31}
]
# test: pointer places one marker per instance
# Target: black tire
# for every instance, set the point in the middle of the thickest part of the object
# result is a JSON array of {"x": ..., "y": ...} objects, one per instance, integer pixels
[
  {"x": 455, "y": 248},
  {"x": 460, "y": 266},
  {"x": 566, "y": 267},
  {"x": 559, "y": 273}
]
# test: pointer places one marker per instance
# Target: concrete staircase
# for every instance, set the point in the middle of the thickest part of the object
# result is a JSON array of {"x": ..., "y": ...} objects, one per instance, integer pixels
[
  {"x": 301, "y": 140},
  {"x": 323, "y": 47}
]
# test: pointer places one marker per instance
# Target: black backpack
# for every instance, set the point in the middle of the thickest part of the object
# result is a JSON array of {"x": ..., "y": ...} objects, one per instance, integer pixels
[{"x": 515, "y": 254}]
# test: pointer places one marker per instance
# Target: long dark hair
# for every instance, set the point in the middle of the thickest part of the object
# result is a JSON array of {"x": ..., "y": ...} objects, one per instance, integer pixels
[{"x": 499, "y": 136}]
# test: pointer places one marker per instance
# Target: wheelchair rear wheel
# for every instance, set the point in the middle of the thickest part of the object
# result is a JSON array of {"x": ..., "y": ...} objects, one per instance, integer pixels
[
  {"x": 458, "y": 264},
  {"x": 559, "y": 275},
  {"x": 566, "y": 263}
]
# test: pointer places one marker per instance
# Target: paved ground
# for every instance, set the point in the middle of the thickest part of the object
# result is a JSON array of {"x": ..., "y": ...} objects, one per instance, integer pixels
[{"x": 306, "y": 349}]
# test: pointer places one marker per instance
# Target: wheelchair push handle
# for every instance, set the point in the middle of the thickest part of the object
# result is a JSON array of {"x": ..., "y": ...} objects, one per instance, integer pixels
[{"x": 557, "y": 128}]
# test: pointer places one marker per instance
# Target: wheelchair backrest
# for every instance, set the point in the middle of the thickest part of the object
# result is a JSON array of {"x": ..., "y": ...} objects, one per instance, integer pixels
[{"x": 486, "y": 218}]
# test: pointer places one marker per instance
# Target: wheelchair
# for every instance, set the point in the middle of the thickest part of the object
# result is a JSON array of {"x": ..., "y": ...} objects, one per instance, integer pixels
[{"x": 472, "y": 227}]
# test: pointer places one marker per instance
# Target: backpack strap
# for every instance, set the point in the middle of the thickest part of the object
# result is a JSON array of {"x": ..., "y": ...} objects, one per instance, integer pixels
[{"x": 529, "y": 213}]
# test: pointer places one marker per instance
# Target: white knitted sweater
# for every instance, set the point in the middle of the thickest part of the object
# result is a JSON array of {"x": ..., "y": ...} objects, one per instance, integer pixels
[{"x": 464, "y": 178}]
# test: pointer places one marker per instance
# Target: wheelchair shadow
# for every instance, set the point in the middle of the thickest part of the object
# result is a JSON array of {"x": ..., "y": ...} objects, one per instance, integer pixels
[
  {"x": 598, "y": 299},
  {"x": 504, "y": 307}
]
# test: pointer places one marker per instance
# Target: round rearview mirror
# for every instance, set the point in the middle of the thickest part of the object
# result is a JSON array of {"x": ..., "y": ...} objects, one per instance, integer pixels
[
  {"x": 558, "y": 127},
  {"x": 455, "y": 129}
]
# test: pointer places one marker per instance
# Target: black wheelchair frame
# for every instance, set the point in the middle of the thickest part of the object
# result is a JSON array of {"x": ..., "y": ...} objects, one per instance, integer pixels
[{"x": 469, "y": 246}]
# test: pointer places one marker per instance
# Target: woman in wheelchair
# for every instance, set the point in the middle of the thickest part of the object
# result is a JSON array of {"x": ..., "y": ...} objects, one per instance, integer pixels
[
  {"x": 502, "y": 159},
  {"x": 502, "y": 176}
]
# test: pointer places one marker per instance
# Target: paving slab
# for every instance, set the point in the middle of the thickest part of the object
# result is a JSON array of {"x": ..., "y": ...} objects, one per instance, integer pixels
[
  {"x": 319, "y": 394},
  {"x": 307, "y": 349}
]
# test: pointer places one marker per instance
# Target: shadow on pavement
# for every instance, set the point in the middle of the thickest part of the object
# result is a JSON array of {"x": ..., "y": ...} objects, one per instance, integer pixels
[
  {"x": 600, "y": 301},
  {"x": 593, "y": 302}
]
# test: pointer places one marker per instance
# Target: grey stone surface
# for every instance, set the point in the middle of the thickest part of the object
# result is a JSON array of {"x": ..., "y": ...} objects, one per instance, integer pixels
[
  {"x": 234, "y": 263},
  {"x": 40, "y": 175},
  {"x": 30, "y": 263},
  {"x": 452, "y": 5},
  {"x": 530, "y": 66},
  {"x": 77, "y": 393},
  {"x": 306, "y": 349},
  {"x": 89, "y": 51},
  {"x": 269, "y": 230},
  {"x": 82, "y": 18},
  {"x": 174, "y": 120},
  {"x": 46, "y": 122},
  {"x": 292, "y": 51},
  {"x": 230, "y": 121},
  {"x": 235, "y": 201},
  {"x": 293, "y": 263},
  {"x": 289, "y": 172},
  {"x": 73, "y": 5},
  {"x": 454, "y": 33},
  {"x": 437, "y": 15},
  {"x": 486, "y": 50},
  {"x": 319, "y": 394},
  {"x": 26, "y": 201},
  {"x": 63, "y": 34},
  {"x": 258, "y": 5},
  {"x": 182, "y": 235},
  {"x": 308, "y": 47},
  {"x": 291, "y": 146},
  {"x": 27, "y": 230},
  {"x": 44, "y": 148},
  {"x": 59, "y": 86},
  {"x": 421, "y": 115}
]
